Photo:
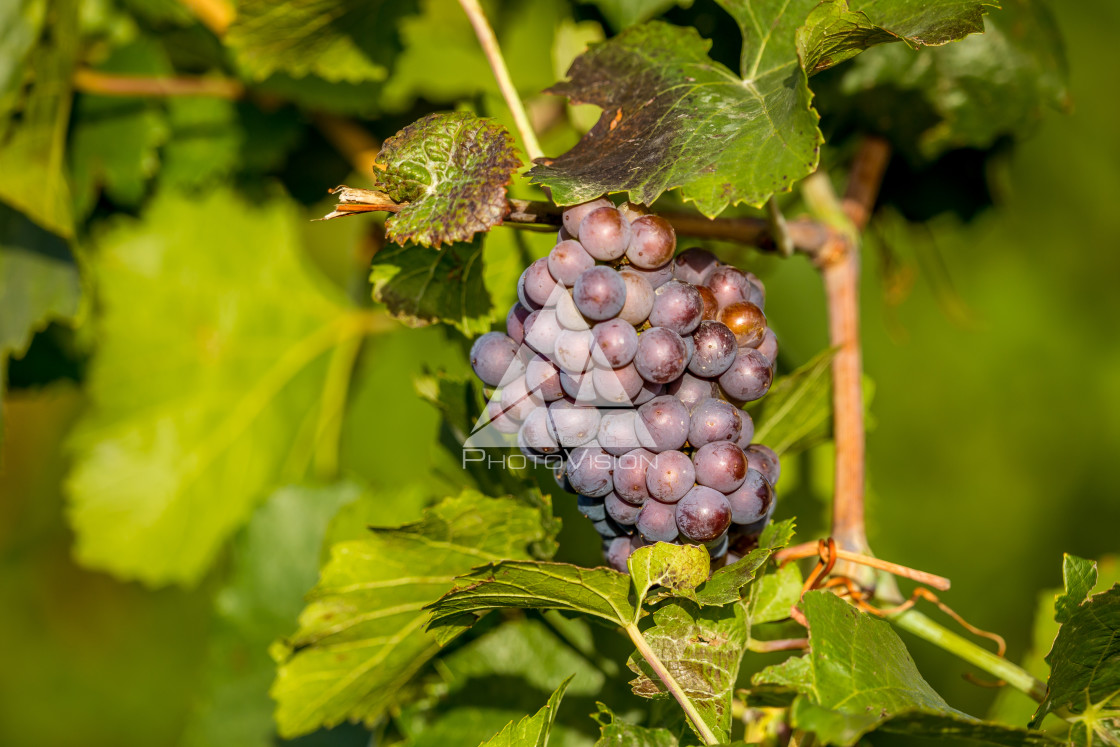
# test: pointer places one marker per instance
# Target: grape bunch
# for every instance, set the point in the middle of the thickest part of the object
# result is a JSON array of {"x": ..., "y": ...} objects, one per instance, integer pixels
[{"x": 625, "y": 369}]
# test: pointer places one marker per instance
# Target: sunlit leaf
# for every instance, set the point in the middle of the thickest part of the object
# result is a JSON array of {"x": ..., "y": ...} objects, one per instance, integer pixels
[
  {"x": 613, "y": 732},
  {"x": 531, "y": 731}
]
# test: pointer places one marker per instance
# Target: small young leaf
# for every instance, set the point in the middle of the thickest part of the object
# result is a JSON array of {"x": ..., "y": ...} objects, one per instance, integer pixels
[
  {"x": 677, "y": 568},
  {"x": 674, "y": 118},
  {"x": 772, "y": 596},
  {"x": 361, "y": 636},
  {"x": 424, "y": 286},
  {"x": 452, "y": 169},
  {"x": 730, "y": 583},
  {"x": 1085, "y": 662},
  {"x": 1079, "y": 576},
  {"x": 531, "y": 731},
  {"x": 599, "y": 592},
  {"x": 616, "y": 733}
]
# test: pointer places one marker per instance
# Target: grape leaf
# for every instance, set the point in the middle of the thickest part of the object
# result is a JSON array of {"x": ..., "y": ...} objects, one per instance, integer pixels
[
  {"x": 798, "y": 407},
  {"x": 614, "y": 732},
  {"x": 858, "y": 677},
  {"x": 205, "y": 142},
  {"x": 275, "y": 562},
  {"x": 702, "y": 648},
  {"x": 21, "y": 23},
  {"x": 340, "y": 41},
  {"x": 679, "y": 569},
  {"x": 1079, "y": 576},
  {"x": 673, "y": 118},
  {"x": 212, "y": 361},
  {"x": 838, "y": 30},
  {"x": 531, "y": 731},
  {"x": 453, "y": 170},
  {"x": 33, "y": 131},
  {"x": 1085, "y": 663},
  {"x": 623, "y": 13},
  {"x": 729, "y": 583},
  {"x": 981, "y": 88},
  {"x": 600, "y": 592},
  {"x": 423, "y": 286},
  {"x": 361, "y": 635},
  {"x": 772, "y": 596}
]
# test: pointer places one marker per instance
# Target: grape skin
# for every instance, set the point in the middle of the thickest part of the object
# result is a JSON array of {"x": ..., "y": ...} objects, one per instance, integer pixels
[
  {"x": 662, "y": 355},
  {"x": 619, "y": 386},
  {"x": 664, "y": 424},
  {"x": 573, "y": 216},
  {"x": 543, "y": 379},
  {"x": 763, "y": 459},
  {"x": 648, "y": 392},
  {"x": 639, "y": 297},
  {"x": 568, "y": 315},
  {"x": 616, "y": 342},
  {"x": 769, "y": 345},
  {"x": 746, "y": 322},
  {"x": 517, "y": 402},
  {"x": 703, "y": 514},
  {"x": 572, "y": 425},
  {"x": 572, "y": 350},
  {"x": 729, "y": 285},
  {"x": 714, "y": 420},
  {"x": 541, "y": 331},
  {"x": 658, "y": 522},
  {"x": 592, "y": 508},
  {"x": 652, "y": 242},
  {"x": 746, "y": 434},
  {"x": 605, "y": 234},
  {"x": 657, "y": 276},
  {"x": 617, "y": 553},
  {"x": 492, "y": 355},
  {"x": 499, "y": 418},
  {"x": 711, "y": 305},
  {"x": 539, "y": 283},
  {"x": 720, "y": 465},
  {"x": 670, "y": 476},
  {"x": 599, "y": 293},
  {"x": 694, "y": 265},
  {"x": 630, "y": 476},
  {"x": 589, "y": 470},
  {"x": 515, "y": 322},
  {"x": 567, "y": 261},
  {"x": 749, "y": 376},
  {"x": 690, "y": 390},
  {"x": 715, "y": 349},
  {"x": 621, "y": 511},
  {"x": 751, "y": 501},
  {"x": 677, "y": 306},
  {"x": 617, "y": 435},
  {"x": 534, "y": 432}
]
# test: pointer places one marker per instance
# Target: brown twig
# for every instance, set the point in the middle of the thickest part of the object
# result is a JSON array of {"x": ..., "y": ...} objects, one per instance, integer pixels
[
  {"x": 780, "y": 644},
  {"x": 809, "y": 549},
  {"x": 111, "y": 84}
]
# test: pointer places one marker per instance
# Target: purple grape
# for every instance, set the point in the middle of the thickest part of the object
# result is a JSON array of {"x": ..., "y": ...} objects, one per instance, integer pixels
[
  {"x": 492, "y": 356},
  {"x": 714, "y": 420},
  {"x": 571, "y": 425},
  {"x": 718, "y": 547},
  {"x": 589, "y": 470},
  {"x": 567, "y": 261},
  {"x": 694, "y": 265},
  {"x": 658, "y": 522},
  {"x": 652, "y": 242},
  {"x": 528, "y": 451},
  {"x": 720, "y": 465},
  {"x": 749, "y": 377},
  {"x": 662, "y": 355},
  {"x": 522, "y": 296},
  {"x": 639, "y": 297},
  {"x": 619, "y": 386},
  {"x": 579, "y": 388},
  {"x": 515, "y": 322},
  {"x": 758, "y": 291},
  {"x": 691, "y": 389},
  {"x": 729, "y": 284},
  {"x": 751, "y": 501},
  {"x": 592, "y": 508},
  {"x": 630, "y": 476},
  {"x": 599, "y": 293},
  {"x": 664, "y": 424},
  {"x": 604, "y": 233},
  {"x": 670, "y": 476},
  {"x": 562, "y": 479},
  {"x": 572, "y": 350},
  {"x": 769, "y": 345},
  {"x": 617, "y": 553},
  {"x": 746, "y": 433},
  {"x": 562, "y": 234},
  {"x": 539, "y": 283},
  {"x": 608, "y": 528},
  {"x": 648, "y": 392},
  {"x": 656, "y": 277},
  {"x": 568, "y": 315},
  {"x": 574, "y": 215},
  {"x": 499, "y": 418},
  {"x": 543, "y": 379},
  {"x": 746, "y": 322},
  {"x": 715, "y": 349},
  {"x": 616, "y": 432},
  {"x": 534, "y": 433},
  {"x": 703, "y": 514},
  {"x": 624, "y": 513},
  {"x": 763, "y": 459},
  {"x": 711, "y": 305},
  {"x": 677, "y": 306},
  {"x": 541, "y": 331},
  {"x": 616, "y": 342},
  {"x": 517, "y": 401}
]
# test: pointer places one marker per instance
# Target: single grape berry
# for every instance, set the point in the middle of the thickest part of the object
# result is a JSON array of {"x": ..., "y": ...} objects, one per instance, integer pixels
[
  {"x": 515, "y": 322},
  {"x": 663, "y": 424},
  {"x": 541, "y": 331},
  {"x": 492, "y": 355},
  {"x": 543, "y": 379},
  {"x": 639, "y": 297},
  {"x": 751, "y": 501},
  {"x": 517, "y": 400},
  {"x": 589, "y": 470},
  {"x": 677, "y": 306},
  {"x": 604, "y": 233},
  {"x": 658, "y": 522},
  {"x": 720, "y": 465},
  {"x": 691, "y": 389},
  {"x": 662, "y": 355},
  {"x": 652, "y": 242},
  {"x": 539, "y": 283},
  {"x": 769, "y": 345},
  {"x": 499, "y": 418},
  {"x": 630, "y": 476},
  {"x": 624, "y": 513},
  {"x": 763, "y": 459},
  {"x": 617, "y": 386},
  {"x": 616, "y": 342},
  {"x": 714, "y": 420},
  {"x": 749, "y": 376},
  {"x": 617, "y": 552},
  {"x": 670, "y": 476},
  {"x": 729, "y": 285},
  {"x": 572, "y": 350},
  {"x": 715, "y": 349},
  {"x": 574, "y": 215},
  {"x": 599, "y": 293},
  {"x": 571, "y": 425},
  {"x": 703, "y": 514},
  {"x": 657, "y": 276},
  {"x": 567, "y": 261},
  {"x": 568, "y": 315},
  {"x": 534, "y": 432},
  {"x": 592, "y": 508},
  {"x": 694, "y": 265},
  {"x": 711, "y": 305},
  {"x": 746, "y": 322},
  {"x": 617, "y": 435},
  {"x": 746, "y": 434}
]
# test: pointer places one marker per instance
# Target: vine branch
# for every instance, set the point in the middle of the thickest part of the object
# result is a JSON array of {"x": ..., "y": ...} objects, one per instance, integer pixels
[
  {"x": 493, "y": 54},
  {"x": 113, "y": 84}
]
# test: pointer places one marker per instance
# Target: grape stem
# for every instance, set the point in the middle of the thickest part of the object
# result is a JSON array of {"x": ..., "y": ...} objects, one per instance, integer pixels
[
  {"x": 493, "y": 54},
  {"x": 778, "y": 228},
  {"x": 671, "y": 684}
]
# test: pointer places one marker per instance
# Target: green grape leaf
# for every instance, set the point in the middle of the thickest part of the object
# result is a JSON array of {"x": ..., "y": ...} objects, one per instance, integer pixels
[
  {"x": 980, "y": 88},
  {"x": 361, "y": 636},
  {"x": 772, "y": 596},
  {"x": 858, "y": 677},
  {"x": 678, "y": 569},
  {"x": 349, "y": 41},
  {"x": 424, "y": 286},
  {"x": 797, "y": 409},
  {"x": 205, "y": 143},
  {"x": 452, "y": 169},
  {"x": 531, "y": 731},
  {"x": 1079, "y": 576},
  {"x": 599, "y": 592},
  {"x": 33, "y": 129},
  {"x": 275, "y": 562},
  {"x": 1085, "y": 664},
  {"x": 838, "y": 30},
  {"x": 623, "y": 13},
  {"x": 731, "y": 582},
  {"x": 21, "y": 23},
  {"x": 702, "y": 648},
  {"x": 212, "y": 363},
  {"x": 673, "y": 118},
  {"x": 614, "y": 732}
]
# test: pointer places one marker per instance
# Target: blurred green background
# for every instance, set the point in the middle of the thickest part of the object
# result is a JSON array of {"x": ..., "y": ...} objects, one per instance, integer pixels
[{"x": 989, "y": 332}]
